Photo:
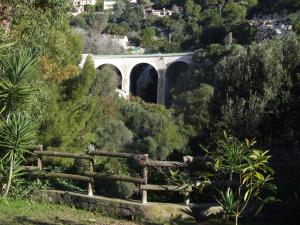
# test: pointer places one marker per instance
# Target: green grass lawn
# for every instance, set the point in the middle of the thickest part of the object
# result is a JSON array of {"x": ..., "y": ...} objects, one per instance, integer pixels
[
  {"x": 15, "y": 212},
  {"x": 31, "y": 213}
]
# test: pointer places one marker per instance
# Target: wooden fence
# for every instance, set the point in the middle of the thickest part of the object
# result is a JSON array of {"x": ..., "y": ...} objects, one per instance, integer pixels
[{"x": 89, "y": 176}]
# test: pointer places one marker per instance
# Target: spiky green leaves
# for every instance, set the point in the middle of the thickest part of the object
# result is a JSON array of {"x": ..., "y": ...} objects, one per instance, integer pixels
[
  {"x": 16, "y": 71},
  {"x": 16, "y": 133}
]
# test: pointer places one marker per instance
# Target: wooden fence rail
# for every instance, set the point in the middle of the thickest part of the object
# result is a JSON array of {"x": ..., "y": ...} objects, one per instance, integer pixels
[
  {"x": 63, "y": 155},
  {"x": 117, "y": 154},
  {"x": 68, "y": 176},
  {"x": 89, "y": 176},
  {"x": 171, "y": 164},
  {"x": 115, "y": 177}
]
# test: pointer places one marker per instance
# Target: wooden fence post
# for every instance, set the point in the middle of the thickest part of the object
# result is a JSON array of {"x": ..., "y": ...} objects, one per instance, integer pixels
[
  {"x": 145, "y": 177},
  {"x": 40, "y": 159},
  {"x": 90, "y": 183}
]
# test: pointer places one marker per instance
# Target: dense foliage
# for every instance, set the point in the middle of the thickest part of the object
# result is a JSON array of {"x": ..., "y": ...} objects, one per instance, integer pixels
[
  {"x": 246, "y": 87},
  {"x": 193, "y": 24},
  {"x": 251, "y": 91}
]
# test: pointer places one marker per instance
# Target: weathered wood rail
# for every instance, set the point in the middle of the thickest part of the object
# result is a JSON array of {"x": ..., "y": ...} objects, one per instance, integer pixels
[{"x": 89, "y": 176}]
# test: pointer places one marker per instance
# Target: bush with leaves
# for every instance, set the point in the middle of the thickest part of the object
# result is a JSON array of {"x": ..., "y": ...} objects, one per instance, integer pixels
[
  {"x": 254, "y": 85},
  {"x": 249, "y": 166},
  {"x": 114, "y": 188},
  {"x": 106, "y": 82},
  {"x": 113, "y": 135},
  {"x": 246, "y": 172},
  {"x": 155, "y": 129},
  {"x": 74, "y": 113}
]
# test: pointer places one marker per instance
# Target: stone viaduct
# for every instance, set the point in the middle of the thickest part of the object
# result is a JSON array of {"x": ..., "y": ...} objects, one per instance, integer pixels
[{"x": 125, "y": 64}]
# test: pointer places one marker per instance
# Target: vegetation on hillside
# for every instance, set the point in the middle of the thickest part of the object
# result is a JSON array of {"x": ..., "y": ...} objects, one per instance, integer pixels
[
  {"x": 249, "y": 88},
  {"x": 195, "y": 24}
]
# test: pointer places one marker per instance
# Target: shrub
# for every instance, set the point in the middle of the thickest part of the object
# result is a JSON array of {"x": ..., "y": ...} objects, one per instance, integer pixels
[
  {"x": 155, "y": 129},
  {"x": 113, "y": 135}
]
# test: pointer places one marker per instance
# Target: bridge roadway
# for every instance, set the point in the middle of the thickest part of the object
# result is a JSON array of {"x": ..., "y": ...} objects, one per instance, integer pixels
[{"x": 126, "y": 63}]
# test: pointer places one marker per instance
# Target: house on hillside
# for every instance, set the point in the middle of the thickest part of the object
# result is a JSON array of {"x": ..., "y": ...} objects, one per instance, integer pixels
[
  {"x": 109, "y": 4},
  {"x": 123, "y": 42},
  {"x": 269, "y": 25},
  {"x": 78, "y": 6},
  {"x": 162, "y": 12}
]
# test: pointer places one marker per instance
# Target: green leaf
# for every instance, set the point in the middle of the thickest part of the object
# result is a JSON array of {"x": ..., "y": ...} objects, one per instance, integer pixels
[
  {"x": 259, "y": 209},
  {"x": 260, "y": 176},
  {"x": 217, "y": 165},
  {"x": 247, "y": 195}
]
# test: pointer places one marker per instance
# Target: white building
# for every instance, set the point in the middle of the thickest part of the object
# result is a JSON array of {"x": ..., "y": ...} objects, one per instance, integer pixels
[
  {"x": 158, "y": 13},
  {"x": 109, "y": 4},
  {"x": 266, "y": 28},
  {"x": 78, "y": 5},
  {"x": 163, "y": 12},
  {"x": 120, "y": 40},
  {"x": 83, "y": 2}
]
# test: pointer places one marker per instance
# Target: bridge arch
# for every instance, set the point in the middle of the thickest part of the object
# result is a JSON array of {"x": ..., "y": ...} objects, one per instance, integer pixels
[
  {"x": 126, "y": 64},
  {"x": 144, "y": 81},
  {"x": 174, "y": 72},
  {"x": 117, "y": 70}
]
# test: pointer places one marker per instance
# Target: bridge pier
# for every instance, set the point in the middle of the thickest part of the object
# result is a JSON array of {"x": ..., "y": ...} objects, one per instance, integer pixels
[
  {"x": 126, "y": 82},
  {"x": 160, "y": 86}
]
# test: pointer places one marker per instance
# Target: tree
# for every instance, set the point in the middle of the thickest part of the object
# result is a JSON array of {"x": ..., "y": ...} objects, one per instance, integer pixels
[
  {"x": 106, "y": 82},
  {"x": 145, "y": 3},
  {"x": 118, "y": 9},
  {"x": 296, "y": 27},
  {"x": 115, "y": 29},
  {"x": 99, "y": 5},
  {"x": 195, "y": 100},
  {"x": 81, "y": 84},
  {"x": 46, "y": 21},
  {"x": 192, "y": 10},
  {"x": 174, "y": 28},
  {"x": 74, "y": 111},
  {"x": 195, "y": 105},
  {"x": 155, "y": 130},
  {"x": 134, "y": 17},
  {"x": 147, "y": 37},
  {"x": 234, "y": 14},
  {"x": 251, "y": 83},
  {"x": 89, "y": 8},
  {"x": 113, "y": 135}
]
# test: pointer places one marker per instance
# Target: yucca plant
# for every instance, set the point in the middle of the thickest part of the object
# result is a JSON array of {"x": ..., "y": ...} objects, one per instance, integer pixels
[
  {"x": 16, "y": 70},
  {"x": 229, "y": 203},
  {"x": 16, "y": 127},
  {"x": 4, "y": 46},
  {"x": 17, "y": 172},
  {"x": 16, "y": 133},
  {"x": 229, "y": 155}
]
